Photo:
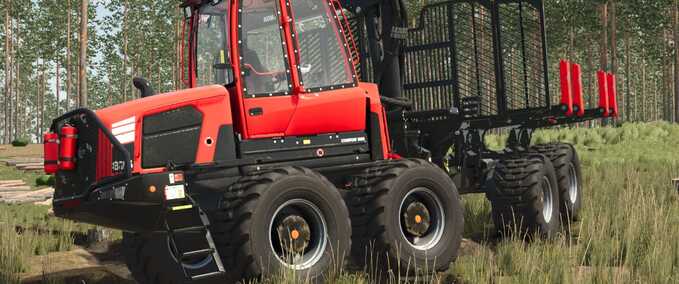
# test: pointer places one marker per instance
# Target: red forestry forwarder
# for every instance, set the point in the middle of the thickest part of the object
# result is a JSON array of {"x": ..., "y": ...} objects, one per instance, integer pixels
[{"x": 280, "y": 155}]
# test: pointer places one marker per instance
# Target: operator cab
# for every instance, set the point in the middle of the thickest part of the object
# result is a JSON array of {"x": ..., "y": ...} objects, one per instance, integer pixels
[{"x": 285, "y": 63}]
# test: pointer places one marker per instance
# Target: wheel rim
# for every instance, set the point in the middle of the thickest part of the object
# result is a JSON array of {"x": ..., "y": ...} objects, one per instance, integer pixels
[
  {"x": 422, "y": 218},
  {"x": 572, "y": 183},
  {"x": 547, "y": 200},
  {"x": 298, "y": 234}
]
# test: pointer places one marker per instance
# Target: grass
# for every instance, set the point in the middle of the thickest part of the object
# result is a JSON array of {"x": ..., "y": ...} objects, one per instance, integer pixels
[
  {"x": 629, "y": 222},
  {"x": 627, "y": 234},
  {"x": 10, "y": 173},
  {"x": 630, "y": 217},
  {"x": 28, "y": 230},
  {"x": 31, "y": 150}
]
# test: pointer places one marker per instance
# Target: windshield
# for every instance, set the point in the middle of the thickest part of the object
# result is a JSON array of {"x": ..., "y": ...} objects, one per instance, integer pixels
[{"x": 213, "y": 63}]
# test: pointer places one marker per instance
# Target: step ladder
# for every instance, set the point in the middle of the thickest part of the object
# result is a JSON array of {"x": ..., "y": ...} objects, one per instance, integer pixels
[{"x": 190, "y": 239}]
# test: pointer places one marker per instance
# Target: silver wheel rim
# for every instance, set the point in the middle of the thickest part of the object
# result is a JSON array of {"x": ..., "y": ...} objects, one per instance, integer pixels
[
  {"x": 314, "y": 217},
  {"x": 547, "y": 200},
  {"x": 572, "y": 183},
  {"x": 434, "y": 206}
]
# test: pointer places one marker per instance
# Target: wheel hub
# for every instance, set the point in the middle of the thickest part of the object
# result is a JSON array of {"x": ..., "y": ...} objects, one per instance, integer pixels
[
  {"x": 417, "y": 219},
  {"x": 422, "y": 218},
  {"x": 572, "y": 183},
  {"x": 298, "y": 234},
  {"x": 547, "y": 200},
  {"x": 294, "y": 233}
]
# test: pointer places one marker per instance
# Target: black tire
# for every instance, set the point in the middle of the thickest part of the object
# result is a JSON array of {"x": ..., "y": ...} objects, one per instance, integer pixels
[
  {"x": 376, "y": 203},
  {"x": 241, "y": 224},
  {"x": 149, "y": 260},
  {"x": 517, "y": 196},
  {"x": 568, "y": 175}
]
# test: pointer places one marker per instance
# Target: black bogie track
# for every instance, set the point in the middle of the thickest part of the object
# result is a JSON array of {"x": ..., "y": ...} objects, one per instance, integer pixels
[
  {"x": 569, "y": 177},
  {"x": 379, "y": 237},
  {"x": 519, "y": 196},
  {"x": 240, "y": 228}
]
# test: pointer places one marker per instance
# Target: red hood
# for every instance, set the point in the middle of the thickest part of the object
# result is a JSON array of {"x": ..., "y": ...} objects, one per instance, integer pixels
[{"x": 140, "y": 107}]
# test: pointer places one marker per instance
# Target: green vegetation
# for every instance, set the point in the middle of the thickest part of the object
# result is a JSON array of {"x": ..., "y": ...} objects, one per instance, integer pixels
[
  {"x": 47, "y": 180},
  {"x": 11, "y": 173},
  {"x": 27, "y": 230},
  {"x": 20, "y": 142},
  {"x": 628, "y": 230},
  {"x": 630, "y": 217}
]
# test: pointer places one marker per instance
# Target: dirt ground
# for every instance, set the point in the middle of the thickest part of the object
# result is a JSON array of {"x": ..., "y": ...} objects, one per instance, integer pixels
[
  {"x": 103, "y": 263},
  {"x": 32, "y": 150},
  {"x": 97, "y": 264}
]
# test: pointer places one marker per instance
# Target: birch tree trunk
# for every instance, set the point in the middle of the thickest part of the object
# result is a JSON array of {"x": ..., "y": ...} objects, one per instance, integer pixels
[
  {"x": 8, "y": 85},
  {"x": 17, "y": 79}
]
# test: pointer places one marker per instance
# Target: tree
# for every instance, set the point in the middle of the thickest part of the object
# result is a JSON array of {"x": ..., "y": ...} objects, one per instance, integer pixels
[
  {"x": 69, "y": 68},
  {"x": 675, "y": 26},
  {"x": 8, "y": 85},
  {"x": 82, "y": 78}
]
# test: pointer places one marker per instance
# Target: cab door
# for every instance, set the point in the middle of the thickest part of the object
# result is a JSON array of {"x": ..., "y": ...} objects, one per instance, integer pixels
[
  {"x": 264, "y": 70},
  {"x": 329, "y": 100}
]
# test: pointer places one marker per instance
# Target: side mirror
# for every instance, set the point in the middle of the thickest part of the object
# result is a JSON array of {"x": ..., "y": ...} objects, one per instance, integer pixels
[
  {"x": 188, "y": 12},
  {"x": 143, "y": 86}
]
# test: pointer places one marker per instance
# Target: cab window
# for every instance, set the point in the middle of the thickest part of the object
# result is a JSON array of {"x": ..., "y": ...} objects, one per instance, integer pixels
[
  {"x": 212, "y": 52},
  {"x": 264, "y": 66},
  {"x": 323, "y": 56}
]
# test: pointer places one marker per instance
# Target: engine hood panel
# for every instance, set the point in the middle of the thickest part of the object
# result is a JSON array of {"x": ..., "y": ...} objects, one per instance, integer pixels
[{"x": 149, "y": 105}]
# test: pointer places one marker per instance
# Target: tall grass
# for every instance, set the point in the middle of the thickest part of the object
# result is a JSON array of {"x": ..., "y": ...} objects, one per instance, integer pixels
[
  {"x": 26, "y": 231},
  {"x": 630, "y": 216}
]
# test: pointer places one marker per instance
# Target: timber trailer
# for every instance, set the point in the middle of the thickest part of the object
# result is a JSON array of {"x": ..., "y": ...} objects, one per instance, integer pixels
[{"x": 282, "y": 155}]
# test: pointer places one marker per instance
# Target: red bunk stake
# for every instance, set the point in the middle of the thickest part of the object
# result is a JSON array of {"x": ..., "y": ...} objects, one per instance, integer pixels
[
  {"x": 603, "y": 92},
  {"x": 566, "y": 94},
  {"x": 612, "y": 94},
  {"x": 576, "y": 82}
]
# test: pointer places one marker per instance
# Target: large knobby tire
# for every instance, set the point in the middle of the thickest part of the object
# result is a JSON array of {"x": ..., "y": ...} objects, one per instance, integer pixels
[
  {"x": 568, "y": 175},
  {"x": 149, "y": 260},
  {"x": 242, "y": 226},
  {"x": 525, "y": 196},
  {"x": 385, "y": 200}
]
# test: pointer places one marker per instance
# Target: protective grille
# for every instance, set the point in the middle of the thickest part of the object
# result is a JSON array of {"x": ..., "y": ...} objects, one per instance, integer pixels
[
  {"x": 522, "y": 56},
  {"x": 364, "y": 68},
  {"x": 489, "y": 53},
  {"x": 473, "y": 43},
  {"x": 428, "y": 58}
]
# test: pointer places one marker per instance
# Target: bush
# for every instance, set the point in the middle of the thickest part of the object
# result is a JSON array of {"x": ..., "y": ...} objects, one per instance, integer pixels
[
  {"x": 20, "y": 142},
  {"x": 45, "y": 180}
]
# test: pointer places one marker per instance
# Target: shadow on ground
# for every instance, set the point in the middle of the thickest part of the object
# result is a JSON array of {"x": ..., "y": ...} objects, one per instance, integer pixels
[{"x": 99, "y": 263}]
